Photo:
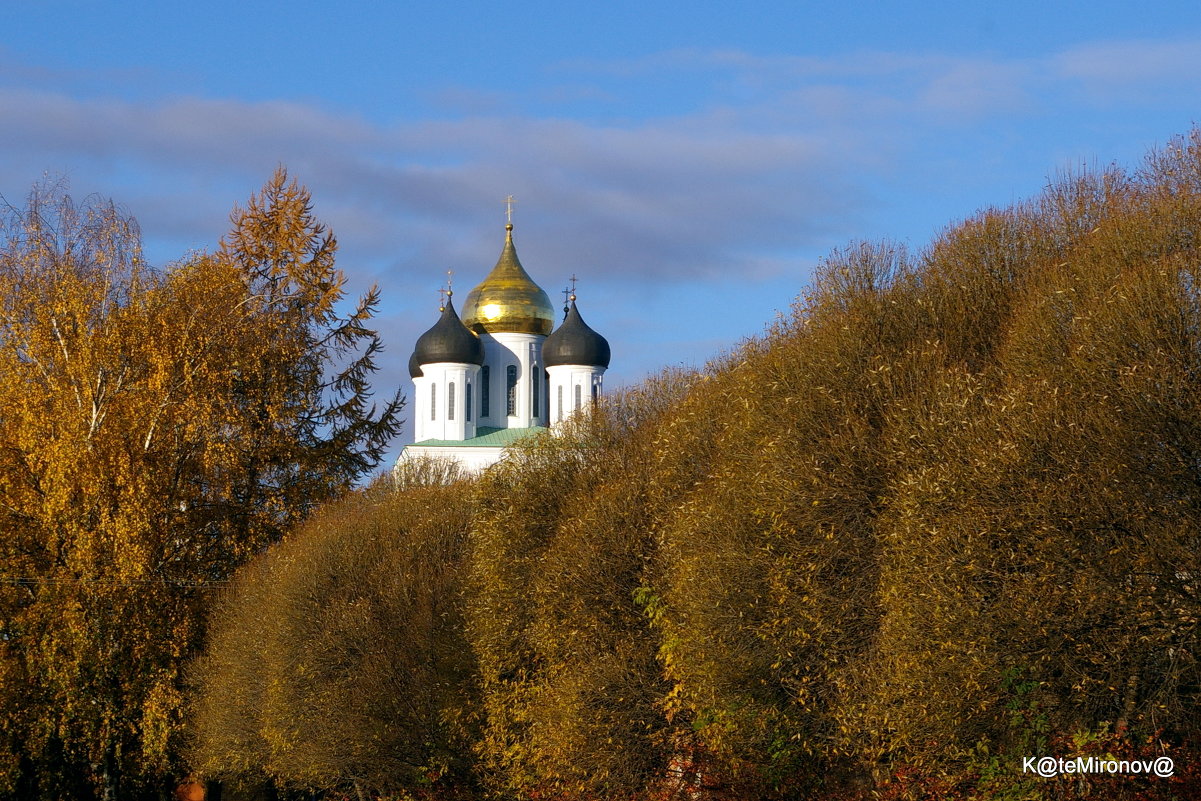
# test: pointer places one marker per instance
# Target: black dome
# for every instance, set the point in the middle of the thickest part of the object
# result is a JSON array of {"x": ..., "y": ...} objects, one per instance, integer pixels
[
  {"x": 414, "y": 366},
  {"x": 575, "y": 343},
  {"x": 448, "y": 341}
]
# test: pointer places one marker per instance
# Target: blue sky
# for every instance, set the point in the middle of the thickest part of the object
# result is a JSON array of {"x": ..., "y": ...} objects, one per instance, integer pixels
[{"x": 689, "y": 162}]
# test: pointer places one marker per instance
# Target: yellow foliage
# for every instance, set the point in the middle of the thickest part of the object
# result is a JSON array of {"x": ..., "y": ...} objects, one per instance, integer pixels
[{"x": 156, "y": 429}]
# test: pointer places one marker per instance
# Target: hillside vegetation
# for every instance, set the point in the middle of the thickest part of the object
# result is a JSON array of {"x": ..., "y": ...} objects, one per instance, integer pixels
[{"x": 943, "y": 516}]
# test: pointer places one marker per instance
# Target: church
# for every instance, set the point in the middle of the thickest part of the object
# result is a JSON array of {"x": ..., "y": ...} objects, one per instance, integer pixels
[{"x": 502, "y": 371}]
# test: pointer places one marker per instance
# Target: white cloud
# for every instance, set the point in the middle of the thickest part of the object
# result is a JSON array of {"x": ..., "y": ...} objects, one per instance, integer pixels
[
  {"x": 1132, "y": 62},
  {"x": 731, "y": 184},
  {"x": 977, "y": 89},
  {"x": 675, "y": 196}
]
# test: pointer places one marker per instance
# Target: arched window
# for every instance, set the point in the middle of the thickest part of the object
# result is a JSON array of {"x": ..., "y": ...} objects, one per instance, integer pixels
[
  {"x": 450, "y": 401},
  {"x": 485, "y": 389},
  {"x": 579, "y": 391},
  {"x": 467, "y": 401},
  {"x": 535, "y": 395},
  {"x": 512, "y": 390},
  {"x": 595, "y": 391},
  {"x": 433, "y": 401},
  {"x": 560, "y": 403}
]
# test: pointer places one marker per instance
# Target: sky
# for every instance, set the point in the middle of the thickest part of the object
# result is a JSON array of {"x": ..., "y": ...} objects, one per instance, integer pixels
[{"x": 691, "y": 163}]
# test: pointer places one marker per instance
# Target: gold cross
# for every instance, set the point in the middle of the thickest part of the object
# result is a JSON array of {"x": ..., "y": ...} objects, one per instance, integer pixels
[
  {"x": 573, "y": 279},
  {"x": 509, "y": 201},
  {"x": 450, "y": 276}
]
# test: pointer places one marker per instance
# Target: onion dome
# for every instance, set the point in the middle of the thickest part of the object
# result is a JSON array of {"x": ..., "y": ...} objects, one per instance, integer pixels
[
  {"x": 575, "y": 343},
  {"x": 414, "y": 366},
  {"x": 448, "y": 341},
  {"x": 508, "y": 300}
]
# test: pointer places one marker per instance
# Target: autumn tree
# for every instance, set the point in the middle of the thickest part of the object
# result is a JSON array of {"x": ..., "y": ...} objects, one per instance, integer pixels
[
  {"x": 1043, "y": 533},
  {"x": 156, "y": 429},
  {"x": 769, "y": 564},
  {"x": 945, "y": 510},
  {"x": 942, "y": 516},
  {"x": 338, "y": 660},
  {"x": 313, "y": 431},
  {"x": 570, "y": 685}
]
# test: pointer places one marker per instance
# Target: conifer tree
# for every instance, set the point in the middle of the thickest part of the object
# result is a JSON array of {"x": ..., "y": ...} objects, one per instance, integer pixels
[{"x": 313, "y": 434}]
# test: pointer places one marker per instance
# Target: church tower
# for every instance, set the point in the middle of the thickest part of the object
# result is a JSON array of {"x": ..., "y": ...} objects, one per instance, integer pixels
[
  {"x": 499, "y": 373},
  {"x": 512, "y": 316},
  {"x": 576, "y": 358},
  {"x": 445, "y": 367}
]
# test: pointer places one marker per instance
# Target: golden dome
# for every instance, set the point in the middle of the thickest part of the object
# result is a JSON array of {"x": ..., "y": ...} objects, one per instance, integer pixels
[{"x": 508, "y": 300}]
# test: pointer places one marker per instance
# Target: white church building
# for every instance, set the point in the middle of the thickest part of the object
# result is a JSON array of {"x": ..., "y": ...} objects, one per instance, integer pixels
[{"x": 500, "y": 373}]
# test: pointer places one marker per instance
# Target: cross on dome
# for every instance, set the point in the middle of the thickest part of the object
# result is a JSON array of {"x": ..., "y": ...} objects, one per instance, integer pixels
[{"x": 568, "y": 296}]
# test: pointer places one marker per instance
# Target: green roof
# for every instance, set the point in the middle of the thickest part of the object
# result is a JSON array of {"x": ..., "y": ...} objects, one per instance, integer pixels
[{"x": 485, "y": 438}]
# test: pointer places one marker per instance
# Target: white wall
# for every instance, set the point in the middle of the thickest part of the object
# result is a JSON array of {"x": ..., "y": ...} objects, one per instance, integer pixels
[
  {"x": 564, "y": 381},
  {"x": 441, "y": 423},
  {"x": 470, "y": 459},
  {"x": 523, "y": 351}
]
